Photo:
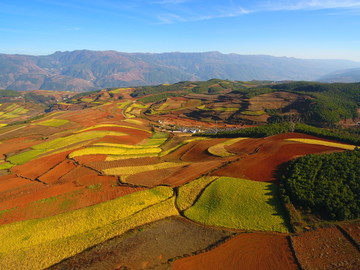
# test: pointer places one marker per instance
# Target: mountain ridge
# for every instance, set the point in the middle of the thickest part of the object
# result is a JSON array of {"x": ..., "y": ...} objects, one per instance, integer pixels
[{"x": 85, "y": 70}]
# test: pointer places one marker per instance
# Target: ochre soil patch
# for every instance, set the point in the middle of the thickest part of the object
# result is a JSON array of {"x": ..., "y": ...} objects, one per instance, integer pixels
[
  {"x": 260, "y": 158},
  {"x": 353, "y": 230},
  {"x": 247, "y": 251},
  {"x": 325, "y": 249},
  {"x": 149, "y": 247}
]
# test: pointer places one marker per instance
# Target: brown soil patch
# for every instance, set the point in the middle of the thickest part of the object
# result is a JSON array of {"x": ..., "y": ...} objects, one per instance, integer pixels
[
  {"x": 325, "y": 249},
  {"x": 274, "y": 100},
  {"x": 353, "y": 230},
  {"x": 247, "y": 251},
  {"x": 149, "y": 247}
]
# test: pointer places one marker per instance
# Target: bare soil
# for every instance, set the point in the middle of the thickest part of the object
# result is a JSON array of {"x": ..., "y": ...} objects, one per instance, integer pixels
[
  {"x": 325, "y": 249},
  {"x": 247, "y": 251}
]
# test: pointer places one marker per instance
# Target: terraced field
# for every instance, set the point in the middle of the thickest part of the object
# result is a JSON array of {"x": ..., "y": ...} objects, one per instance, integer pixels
[{"x": 109, "y": 187}]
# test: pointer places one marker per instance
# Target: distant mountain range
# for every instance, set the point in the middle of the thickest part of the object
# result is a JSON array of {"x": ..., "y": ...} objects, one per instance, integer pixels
[
  {"x": 346, "y": 76},
  {"x": 86, "y": 70}
]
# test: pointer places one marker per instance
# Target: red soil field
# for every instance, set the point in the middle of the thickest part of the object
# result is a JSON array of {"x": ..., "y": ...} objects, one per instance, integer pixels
[
  {"x": 173, "y": 177},
  {"x": 81, "y": 176},
  {"x": 151, "y": 178},
  {"x": 11, "y": 182},
  {"x": 59, "y": 202},
  {"x": 247, "y": 251},
  {"x": 89, "y": 158},
  {"x": 199, "y": 152},
  {"x": 191, "y": 172},
  {"x": 59, "y": 170},
  {"x": 16, "y": 144},
  {"x": 353, "y": 230},
  {"x": 264, "y": 157},
  {"x": 325, "y": 249},
  {"x": 34, "y": 168}
]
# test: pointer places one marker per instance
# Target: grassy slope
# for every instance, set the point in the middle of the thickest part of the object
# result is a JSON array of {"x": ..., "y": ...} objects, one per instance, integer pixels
[{"x": 239, "y": 204}]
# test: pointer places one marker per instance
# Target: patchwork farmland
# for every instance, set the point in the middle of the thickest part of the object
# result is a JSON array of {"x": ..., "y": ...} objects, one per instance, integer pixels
[{"x": 103, "y": 183}]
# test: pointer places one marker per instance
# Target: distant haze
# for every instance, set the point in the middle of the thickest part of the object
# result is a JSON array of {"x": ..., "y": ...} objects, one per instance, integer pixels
[{"x": 86, "y": 70}]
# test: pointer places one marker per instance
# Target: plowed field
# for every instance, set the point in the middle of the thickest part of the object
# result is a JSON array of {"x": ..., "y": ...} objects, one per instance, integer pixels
[
  {"x": 247, "y": 251},
  {"x": 325, "y": 249}
]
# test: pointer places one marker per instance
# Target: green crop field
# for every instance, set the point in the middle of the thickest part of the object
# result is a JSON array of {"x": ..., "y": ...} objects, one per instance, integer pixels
[
  {"x": 53, "y": 122},
  {"x": 25, "y": 243},
  {"x": 239, "y": 204},
  {"x": 188, "y": 193}
]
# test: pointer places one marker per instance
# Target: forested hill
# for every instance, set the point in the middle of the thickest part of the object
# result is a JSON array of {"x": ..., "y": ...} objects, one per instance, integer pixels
[{"x": 85, "y": 70}]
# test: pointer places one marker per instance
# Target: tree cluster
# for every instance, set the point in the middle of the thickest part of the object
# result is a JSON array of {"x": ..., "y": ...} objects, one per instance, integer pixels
[{"x": 327, "y": 185}]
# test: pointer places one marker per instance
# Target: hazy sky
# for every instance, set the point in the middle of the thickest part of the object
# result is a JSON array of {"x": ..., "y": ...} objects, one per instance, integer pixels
[{"x": 304, "y": 29}]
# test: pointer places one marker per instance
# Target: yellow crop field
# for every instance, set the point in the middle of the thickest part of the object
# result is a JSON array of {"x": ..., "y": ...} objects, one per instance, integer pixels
[
  {"x": 128, "y": 146},
  {"x": 53, "y": 122},
  {"x": 122, "y": 105},
  {"x": 325, "y": 143},
  {"x": 120, "y": 157},
  {"x": 123, "y": 171},
  {"x": 134, "y": 121},
  {"x": 109, "y": 150},
  {"x": 3, "y": 125},
  {"x": 219, "y": 149},
  {"x": 25, "y": 243},
  {"x": 112, "y": 125}
]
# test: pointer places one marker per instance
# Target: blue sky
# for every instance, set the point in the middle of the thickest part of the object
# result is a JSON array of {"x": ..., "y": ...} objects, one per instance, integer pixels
[{"x": 303, "y": 29}]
